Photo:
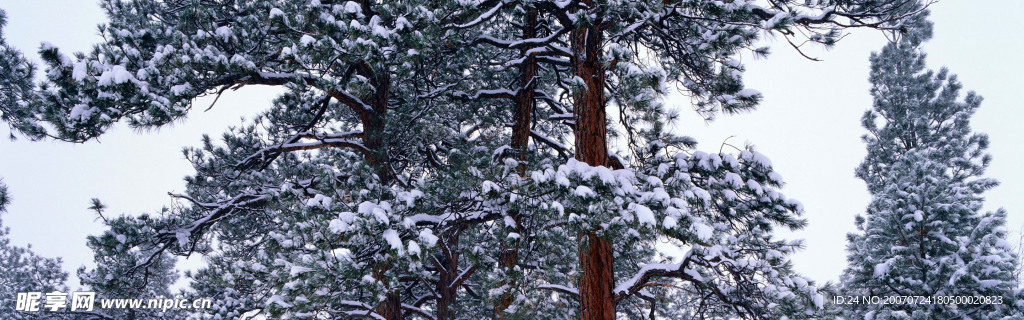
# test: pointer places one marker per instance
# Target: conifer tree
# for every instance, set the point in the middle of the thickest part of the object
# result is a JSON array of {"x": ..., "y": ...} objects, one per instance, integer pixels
[
  {"x": 385, "y": 181},
  {"x": 23, "y": 271},
  {"x": 116, "y": 253},
  {"x": 16, "y": 88},
  {"x": 925, "y": 232},
  {"x": 623, "y": 55}
]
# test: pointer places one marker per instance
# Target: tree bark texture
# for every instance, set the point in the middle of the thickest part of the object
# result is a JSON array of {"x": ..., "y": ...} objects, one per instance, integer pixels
[
  {"x": 522, "y": 110},
  {"x": 591, "y": 141},
  {"x": 448, "y": 277}
]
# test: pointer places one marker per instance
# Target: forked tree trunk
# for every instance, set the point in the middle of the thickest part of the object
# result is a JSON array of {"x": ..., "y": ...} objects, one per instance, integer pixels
[
  {"x": 591, "y": 135},
  {"x": 448, "y": 277}
]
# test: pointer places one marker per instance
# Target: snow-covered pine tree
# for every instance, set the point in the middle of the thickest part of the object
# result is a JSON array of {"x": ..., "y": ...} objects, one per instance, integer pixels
[
  {"x": 623, "y": 55},
  {"x": 16, "y": 88},
  {"x": 358, "y": 77},
  {"x": 630, "y": 52},
  {"x": 518, "y": 77},
  {"x": 21, "y": 270},
  {"x": 377, "y": 184},
  {"x": 5, "y": 197},
  {"x": 116, "y": 252},
  {"x": 924, "y": 232}
]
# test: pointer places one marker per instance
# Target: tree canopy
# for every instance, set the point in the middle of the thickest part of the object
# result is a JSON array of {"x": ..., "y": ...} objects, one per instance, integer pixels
[
  {"x": 395, "y": 175},
  {"x": 924, "y": 233}
]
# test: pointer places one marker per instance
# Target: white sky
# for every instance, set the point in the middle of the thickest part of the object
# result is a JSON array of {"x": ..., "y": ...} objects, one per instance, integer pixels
[{"x": 808, "y": 124}]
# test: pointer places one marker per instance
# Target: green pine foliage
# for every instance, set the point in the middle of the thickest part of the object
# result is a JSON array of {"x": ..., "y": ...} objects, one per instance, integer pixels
[
  {"x": 117, "y": 253},
  {"x": 24, "y": 271},
  {"x": 16, "y": 88},
  {"x": 384, "y": 181},
  {"x": 925, "y": 232}
]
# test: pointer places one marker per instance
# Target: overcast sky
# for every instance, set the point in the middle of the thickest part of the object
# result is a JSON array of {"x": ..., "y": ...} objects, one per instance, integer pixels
[{"x": 808, "y": 125}]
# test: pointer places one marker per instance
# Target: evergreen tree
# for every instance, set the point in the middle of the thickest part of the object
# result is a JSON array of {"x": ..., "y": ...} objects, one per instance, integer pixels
[
  {"x": 385, "y": 183},
  {"x": 924, "y": 232},
  {"x": 116, "y": 253},
  {"x": 23, "y": 271},
  {"x": 16, "y": 88}
]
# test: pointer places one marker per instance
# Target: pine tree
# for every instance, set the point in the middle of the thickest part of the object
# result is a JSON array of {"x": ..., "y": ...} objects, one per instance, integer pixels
[
  {"x": 5, "y": 197},
  {"x": 385, "y": 181},
  {"x": 23, "y": 271},
  {"x": 691, "y": 43},
  {"x": 924, "y": 232},
  {"x": 624, "y": 55},
  {"x": 16, "y": 88},
  {"x": 116, "y": 253}
]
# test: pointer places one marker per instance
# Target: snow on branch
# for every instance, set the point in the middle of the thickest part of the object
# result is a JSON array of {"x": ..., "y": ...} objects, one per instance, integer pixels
[
  {"x": 526, "y": 43},
  {"x": 339, "y": 139},
  {"x": 575, "y": 293},
  {"x": 463, "y": 277},
  {"x": 872, "y": 18},
  {"x": 488, "y": 94},
  {"x": 483, "y": 17},
  {"x": 363, "y": 314},
  {"x": 418, "y": 311},
  {"x": 220, "y": 210},
  {"x": 562, "y": 149},
  {"x": 247, "y": 200},
  {"x": 644, "y": 275}
]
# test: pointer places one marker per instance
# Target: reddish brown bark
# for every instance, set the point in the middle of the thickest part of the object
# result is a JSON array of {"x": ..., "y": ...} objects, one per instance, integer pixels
[
  {"x": 524, "y": 99},
  {"x": 374, "y": 139},
  {"x": 391, "y": 308},
  {"x": 591, "y": 135},
  {"x": 522, "y": 110},
  {"x": 597, "y": 301},
  {"x": 374, "y": 122},
  {"x": 448, "y": 272},
  {"x": 450, "y": 277},
  {"x": 591, "y": 130}
]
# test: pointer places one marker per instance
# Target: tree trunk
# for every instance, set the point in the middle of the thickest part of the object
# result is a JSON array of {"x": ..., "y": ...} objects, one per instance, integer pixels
[
  {"x": 391, "y": 308},
  {"x": 524, "y": 99},
  {"x": 596, "y": 296},
  {"x": 448, "y": 277},
  {"x": 374, "y": 139},
  {"x": 589, "y": 102},
  {"x": 596, "y": 254},
  {"x": 374, "y": 135},
  {"x": 523, "y": 109}
]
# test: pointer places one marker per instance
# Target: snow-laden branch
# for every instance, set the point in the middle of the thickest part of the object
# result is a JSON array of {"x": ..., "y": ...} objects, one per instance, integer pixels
[
  {"x": 488, "y": 94},
  {"x": 483, "y": 17},
  {"x": 575, "y": 293},
  {"x": 220, "y": 210},
  {"x": 365, "y": 310},
  {"x": 562, "y": 149},
  {"x": 278, "y": 79},
  {"x": 338, "y": 139},
  {"x": 418, "y": 311},
  {"x": 363, "y": 314},
  {"x": 644, "y": 275},
  {"x": 462, "y": 277},
  {"x": 524, "y": 43},
  {"x": 561, "y": 117},
  {"x": 356, "y": 304}
]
